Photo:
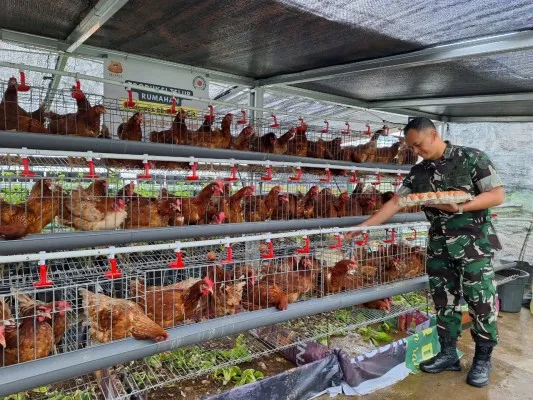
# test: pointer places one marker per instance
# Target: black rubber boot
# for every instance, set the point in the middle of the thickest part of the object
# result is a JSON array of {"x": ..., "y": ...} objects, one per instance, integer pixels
[
  {"x": 446, "y": 360},
  {"x": 478, "y": 375}
]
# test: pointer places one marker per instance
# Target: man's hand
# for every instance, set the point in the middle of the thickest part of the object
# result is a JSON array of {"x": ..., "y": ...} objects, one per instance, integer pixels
[
  {"x": 390, "y": 208},
  {"x": 451, "y": 208},
  {"x": 351, "y": 235}
]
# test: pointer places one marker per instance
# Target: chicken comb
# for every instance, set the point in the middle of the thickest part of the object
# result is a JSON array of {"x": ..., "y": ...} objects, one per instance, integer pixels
[
  {"x": 208, "y": 282},
  {"x": 63, "y": 305}
]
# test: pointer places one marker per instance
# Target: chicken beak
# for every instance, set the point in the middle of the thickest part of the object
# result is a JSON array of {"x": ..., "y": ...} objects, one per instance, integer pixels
[{"x": 2, "y": 339}]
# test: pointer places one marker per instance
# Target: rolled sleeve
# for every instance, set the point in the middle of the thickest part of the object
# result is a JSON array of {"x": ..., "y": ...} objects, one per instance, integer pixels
[
  {"x": 404, "y": 191},
  {"x": 483, "y": 172},
  {"x": 407, "y": 186}
]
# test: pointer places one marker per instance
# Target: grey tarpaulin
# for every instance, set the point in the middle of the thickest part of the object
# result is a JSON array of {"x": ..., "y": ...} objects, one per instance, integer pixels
[
  {"x": 322, "y": 370},
  {"x": 299, "y": 383},
  {"x": 379, "y": 368}
]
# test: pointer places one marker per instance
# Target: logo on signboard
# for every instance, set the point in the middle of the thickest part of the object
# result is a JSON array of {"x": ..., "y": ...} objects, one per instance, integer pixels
[
  {"x": 115, "y": 67},
  {"x": 199, "y": 82}
]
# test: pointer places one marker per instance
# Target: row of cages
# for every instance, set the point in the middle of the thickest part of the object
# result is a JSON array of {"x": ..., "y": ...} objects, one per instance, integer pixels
[
  {"x": 142, "y": 377},
  {"x": 79, "y": 114},
  {"x": 63, "y": 202},
  {"x": 66, "y": 304}
]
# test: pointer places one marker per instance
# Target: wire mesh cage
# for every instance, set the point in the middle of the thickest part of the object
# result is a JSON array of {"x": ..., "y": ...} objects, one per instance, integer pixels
[
  {"x": 72, "y": 303},
  {"x": 65, "y": 198},
  {"x": 217, "y": 356},
  {"x": 74, "y": 112}
]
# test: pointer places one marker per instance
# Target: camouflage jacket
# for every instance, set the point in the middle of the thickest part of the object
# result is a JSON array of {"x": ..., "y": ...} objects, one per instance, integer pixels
[{"x": 460, "y": 168}]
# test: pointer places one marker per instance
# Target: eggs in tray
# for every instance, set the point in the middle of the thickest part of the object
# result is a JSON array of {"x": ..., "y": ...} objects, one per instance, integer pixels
[{"x": 449, "y": 197}]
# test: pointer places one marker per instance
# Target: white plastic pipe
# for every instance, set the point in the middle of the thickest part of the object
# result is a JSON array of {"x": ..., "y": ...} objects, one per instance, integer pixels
[
  {"x": 93, "y": 155},
  {"x": 199, "y": 243}
]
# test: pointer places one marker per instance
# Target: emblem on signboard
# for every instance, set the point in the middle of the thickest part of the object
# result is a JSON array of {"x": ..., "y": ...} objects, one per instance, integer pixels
[
  {"x": 115, "y": 67},
  {"x": 199, "y": 83}
]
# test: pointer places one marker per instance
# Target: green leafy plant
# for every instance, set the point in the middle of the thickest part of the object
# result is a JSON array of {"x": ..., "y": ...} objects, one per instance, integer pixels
[
  {"x": 343, "y": 315},
  {"x": 387, "y": 328},
  {"x": 240, "y": 351},
  {"x": 154, "y": 362},
  {"x": 16, "y": 396},
  {"x": 227, "y": 374},
  {"x": 140, "y": 378},
  {"x": 248, "y": 376},
  {"x": 238, "y": 377},
  {"x": 373, "y": 336},
  {"x": 78, "y": 395}
]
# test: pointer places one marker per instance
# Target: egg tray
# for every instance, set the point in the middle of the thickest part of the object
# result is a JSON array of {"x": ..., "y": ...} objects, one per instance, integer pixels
[{"x": 423, "y": 199}]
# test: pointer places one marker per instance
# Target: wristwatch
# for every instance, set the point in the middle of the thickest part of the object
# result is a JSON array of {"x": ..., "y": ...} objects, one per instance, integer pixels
[{"x": 459, "y": 209}]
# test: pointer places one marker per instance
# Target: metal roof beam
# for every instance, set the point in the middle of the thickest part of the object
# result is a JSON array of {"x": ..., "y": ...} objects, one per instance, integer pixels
[
  {"x": 100, "y": 53},
  {"x": 348, "y": 102},
  {"x": 446, "y": 101},
  {"x": 433, "y": 55},
  {"x": 98, "y": 16},
  {"x": 54, "y": 85},
  {"x": 518, "y": 118},
  {"x": 230, "y": 93},
  {"x": 413, "y": 113},
  {"x": 319, "y": 96}
]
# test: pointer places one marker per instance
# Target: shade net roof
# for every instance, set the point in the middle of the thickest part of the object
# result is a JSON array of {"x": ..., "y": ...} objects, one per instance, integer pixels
[{"x": 265, "y": 38}]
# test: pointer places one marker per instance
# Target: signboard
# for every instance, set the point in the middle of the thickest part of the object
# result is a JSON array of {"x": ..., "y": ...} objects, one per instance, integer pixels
[{"x": 154, "y": 76}]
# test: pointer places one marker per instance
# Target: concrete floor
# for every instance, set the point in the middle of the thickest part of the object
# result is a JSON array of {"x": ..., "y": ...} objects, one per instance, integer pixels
[{"x": 511, "y": 378}]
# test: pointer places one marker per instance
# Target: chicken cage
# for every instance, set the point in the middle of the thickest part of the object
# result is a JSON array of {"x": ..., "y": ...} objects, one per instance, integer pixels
[
  {"x": 169, "y": 285},
  {"x": 64, "y": 193},
  {"x": 76, "y": 113},
  {"x": 182, "y": 289}
]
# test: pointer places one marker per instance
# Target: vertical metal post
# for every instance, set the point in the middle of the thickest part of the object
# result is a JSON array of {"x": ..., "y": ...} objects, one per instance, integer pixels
[
  {"x": 443, "y": 127},
  {"x": 256, "y": 100}
]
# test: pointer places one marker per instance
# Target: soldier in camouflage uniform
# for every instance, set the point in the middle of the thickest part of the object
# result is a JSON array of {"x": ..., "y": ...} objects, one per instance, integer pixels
[{"x": 461, "y": 243}]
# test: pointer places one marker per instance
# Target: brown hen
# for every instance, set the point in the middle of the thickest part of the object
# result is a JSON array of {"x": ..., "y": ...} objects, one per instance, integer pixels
[
  {"x": 167, "y": 305},
  {"x": 113, "y": 319}
]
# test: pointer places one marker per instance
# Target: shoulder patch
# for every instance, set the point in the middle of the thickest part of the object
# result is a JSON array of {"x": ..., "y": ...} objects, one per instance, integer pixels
[{"x": 483, "y": 163}]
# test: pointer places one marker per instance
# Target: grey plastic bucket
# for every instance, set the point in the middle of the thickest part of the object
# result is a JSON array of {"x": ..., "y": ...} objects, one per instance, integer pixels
[
  {"x": 524, "y": 266},
  {"x": 512, "y": 293}
]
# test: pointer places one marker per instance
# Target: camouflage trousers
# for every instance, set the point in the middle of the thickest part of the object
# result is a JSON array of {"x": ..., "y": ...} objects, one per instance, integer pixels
[{"x": 473, "y": 279}]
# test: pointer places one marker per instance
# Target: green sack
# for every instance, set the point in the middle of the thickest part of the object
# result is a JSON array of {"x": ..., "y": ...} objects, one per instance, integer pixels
[{"x": 420, "y": 347}]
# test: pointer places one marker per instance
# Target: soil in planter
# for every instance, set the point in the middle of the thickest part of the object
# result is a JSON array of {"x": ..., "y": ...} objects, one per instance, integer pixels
[{"x": 205, "y": 386}]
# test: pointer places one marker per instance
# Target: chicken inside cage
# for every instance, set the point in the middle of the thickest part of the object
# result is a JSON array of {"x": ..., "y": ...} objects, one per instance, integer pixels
[
  {"x": 82, "y": 307},
  {"x": 64, "y": 202},
  {"x": 81, "y": 114}
]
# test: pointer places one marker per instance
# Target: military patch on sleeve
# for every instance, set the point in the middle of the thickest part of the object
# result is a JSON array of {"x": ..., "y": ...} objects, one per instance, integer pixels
[{"x": 483, "y": 162}]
